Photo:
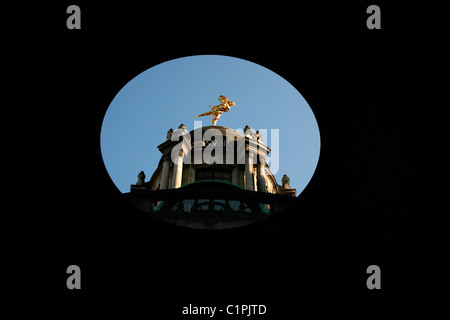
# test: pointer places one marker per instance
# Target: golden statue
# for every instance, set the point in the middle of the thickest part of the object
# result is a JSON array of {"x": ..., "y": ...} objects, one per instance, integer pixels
[{"x": 216, "y": 111}]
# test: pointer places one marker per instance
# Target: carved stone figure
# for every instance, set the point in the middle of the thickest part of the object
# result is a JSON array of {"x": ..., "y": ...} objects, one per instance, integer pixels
[
  {"x": 258, "y": 136},
  {"x": 169, "y": 134},
  {"x": 141, "y": 178},
  {"x": 182, "y": 128},
  {"x": 285, "y": 181},
  {"x": 181, "y": 131},
  {"x": 216, "y": 111},
  {"x": 249, "y": 133}
]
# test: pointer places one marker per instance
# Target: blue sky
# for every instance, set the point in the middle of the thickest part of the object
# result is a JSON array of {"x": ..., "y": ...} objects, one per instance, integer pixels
[{"x": 173, "y": 92}]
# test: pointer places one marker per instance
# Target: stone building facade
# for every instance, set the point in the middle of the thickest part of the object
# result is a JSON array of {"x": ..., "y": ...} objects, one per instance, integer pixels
[{"x": 211, "y": 177}]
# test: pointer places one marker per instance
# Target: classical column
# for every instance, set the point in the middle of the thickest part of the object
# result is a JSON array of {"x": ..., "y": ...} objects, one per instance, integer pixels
[
  {"x": 235, "y": 176},
  {"x": 249, "y": 183},
  {"x": 178, "y": 171},
  {"x": 261, "y": 178},
  {"x": 165, "y": 174},
  {"x": 191, "y": 174}
]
